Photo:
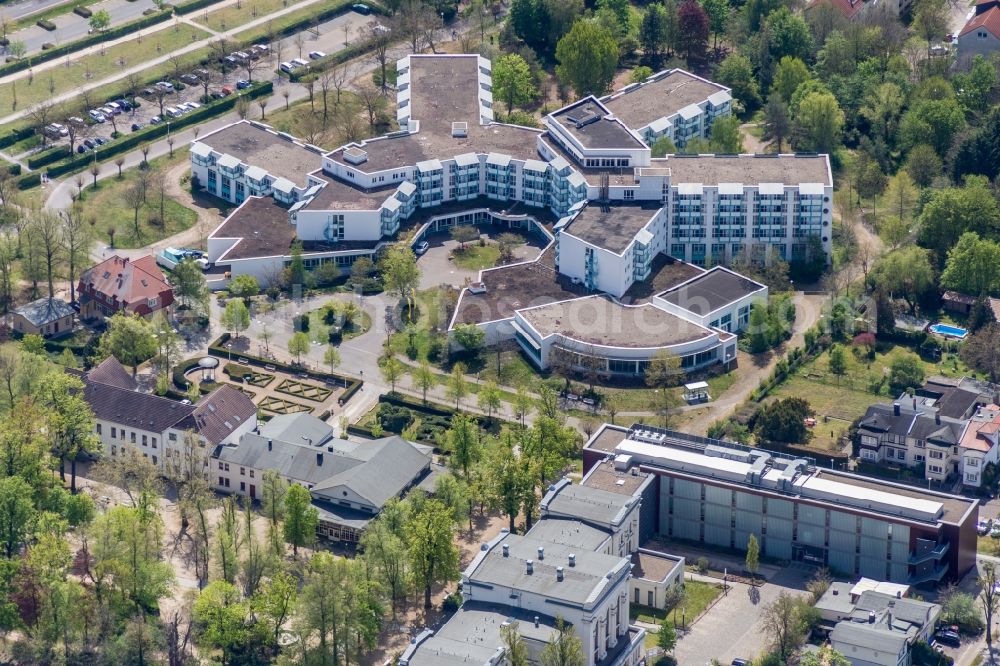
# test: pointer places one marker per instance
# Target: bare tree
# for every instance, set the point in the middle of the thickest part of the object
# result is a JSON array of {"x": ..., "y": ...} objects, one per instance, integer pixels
[
  {"x": 95, "y": 171},
  {"x": 160, "y": 97},
  {"x": 41, "y": 114},
  {"x": 47, "y": 228},
  {"x": 77, "y": 236},
  {"x": 262, "y": 103},
  {"x": 989, "y": 598},
  {"x": 286, "y": 94},
  {"x": 207, "y": 77},
  {"x": 8, "y": 186},
  {"x": 177, "y": 65},
  {"x": 299, "y": 40},
  {"x": 220, "y": 49},
  {"x": 135, "y": 197},
  {"x": 158, "y": 184},
  {"x": 119, "y": 162},
  {"x": 132, "y": 84},
  {"x": 277, "y": 48},
  {"x": 8, "y": 257},
  {"x": 373, "y": 101},
  {"x": 251, "y": 65},
  {"x": 348, "y": 121},
  {"x": 311, "y": 89},
  {"x": 242, "y": 107},
  {"x": 377, "y": 38},
  {"x": 313, "y": 128}
]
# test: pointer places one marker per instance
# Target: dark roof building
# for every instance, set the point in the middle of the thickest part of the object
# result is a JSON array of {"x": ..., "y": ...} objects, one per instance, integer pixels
[
  {"x": 121, "y": 284},
  {"x": 39, "y": 317}
]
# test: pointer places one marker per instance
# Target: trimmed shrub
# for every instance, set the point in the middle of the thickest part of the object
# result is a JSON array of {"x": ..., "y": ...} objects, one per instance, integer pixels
[
  {"x": 49, "y": 156},
  {"x": 85, "y": 12},
  {"x": 29, "y": 181},
  {"x": 48, "y": 45},
  {"x": 12, "y": 169},
  {"x": 46, "y": 24},
  {"x": 354, "y": 387},
  {"x": 16, "y": 135},
  {"x": 393, "y": 418}
]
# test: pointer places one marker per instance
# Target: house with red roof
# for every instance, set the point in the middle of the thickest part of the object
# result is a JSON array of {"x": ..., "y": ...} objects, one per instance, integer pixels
[
  {"x": 980, "y": 444},
  {"x": 981, "y": 34},
  {"x": 120, "y": 284}
]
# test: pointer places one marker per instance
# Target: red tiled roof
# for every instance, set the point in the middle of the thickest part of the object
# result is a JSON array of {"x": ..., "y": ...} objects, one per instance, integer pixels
[
  {"x": 120, "y": 283},
  {"x": 849, "y": 8},
  {"x": 989, "y": 20}
]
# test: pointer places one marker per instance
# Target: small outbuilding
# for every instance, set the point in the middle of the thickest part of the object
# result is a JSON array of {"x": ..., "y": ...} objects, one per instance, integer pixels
[{"x": 48, "y": 317}]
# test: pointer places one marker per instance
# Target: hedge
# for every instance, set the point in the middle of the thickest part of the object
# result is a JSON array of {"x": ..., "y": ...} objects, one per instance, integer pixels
[
  {"x": 83, "y": 11},
  {"x": 29, "y": 181},
  {"x": 16, "y": 135},
  {"x": 45, "y": 24},
  {"x": 153, "y": 132},
  {"x": 341, "y": 56},
  {"x": 193, "y": 6},
  {"x": 12, "y": 169},
  {"x": 49, "y": 156},
  {"x": 89, "y": 40}
]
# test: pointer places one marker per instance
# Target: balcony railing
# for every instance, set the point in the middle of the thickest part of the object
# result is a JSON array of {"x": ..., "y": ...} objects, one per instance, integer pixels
[{"x": 935, "y": 553}]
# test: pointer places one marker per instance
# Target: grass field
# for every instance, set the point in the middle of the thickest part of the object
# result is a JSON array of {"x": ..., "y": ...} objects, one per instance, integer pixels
[
  {"x": 268, "y": 28},
  {"x": 79, "y": 69},
  {"x": 476, "y": 257},
  {"x": 239, "y": 14},
  {"x": 698, "y": 596},
  {"x": 107, "y": 206}
]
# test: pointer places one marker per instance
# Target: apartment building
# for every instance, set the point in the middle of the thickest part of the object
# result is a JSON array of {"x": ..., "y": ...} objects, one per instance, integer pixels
[
  {"x": 449, "y": 157},
  {"x": 128, "y": 420},
  {"x": 719, "y": 493}
]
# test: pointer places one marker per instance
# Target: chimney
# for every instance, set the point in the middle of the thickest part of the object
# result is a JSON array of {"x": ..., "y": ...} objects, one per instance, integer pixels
[
  {"x": 572, "y": 559},
  {"x": 895, "y": 408},
  {"x": 531, "y": 567},
  {"x": 559, "y": 573},
  {"x": 269, "y": 444},
  {"x": 536, "y": 622},
  {"x": 871, "y": 617},
  {"x": 937, "y": 418},
  {"x": 506, "y": 550},
  {"x": 914, "y": 404},
  {"x": 319, "y": 459},
  {"x": 541, "y": 553}
]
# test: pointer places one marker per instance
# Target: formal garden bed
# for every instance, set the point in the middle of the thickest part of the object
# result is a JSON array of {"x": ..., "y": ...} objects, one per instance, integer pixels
[
  {"x": 336, "y": 321},
  {"x": 303, "y": 390},
  {"x": 245, "y": 372},
  {"x": 272, "y": 405}
]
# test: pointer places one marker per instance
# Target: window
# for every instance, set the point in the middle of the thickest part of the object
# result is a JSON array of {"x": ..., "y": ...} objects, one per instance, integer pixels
[
  {"x": 114, "y": 450},
  {"x": 243, "y": 487},
  {"x": 114, "y": 432},
  {"x": 154, "y": 442},
  {"x": 132, "y": 436},
  {"x": 98, "y": 428},
  {"x": 222, "y": 481},
  {"x": 172, "y": 437},
  {"x": 154, "y": 460},
  {"x": 220, "y": 465},
  {"x": 936, "y": 455},
  {"x": 227, "y": 467},
  {"x": 935, "y": 469},
  {"x": 251, "y": 474},
  {"x": 243, "y": 471},
  {"x": 973, "y": 462},
  {"x": 629, "y": 195},
  {"x": 144, "y": 440}
]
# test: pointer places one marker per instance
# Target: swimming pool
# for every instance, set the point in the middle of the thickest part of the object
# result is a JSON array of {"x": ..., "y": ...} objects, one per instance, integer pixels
[{"x": 950, "y": 331}]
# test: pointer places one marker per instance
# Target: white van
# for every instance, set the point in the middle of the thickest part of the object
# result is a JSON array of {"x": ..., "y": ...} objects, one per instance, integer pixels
[
  {"x": 287, "y": 67},
  {"x": 299, "y": 62}
]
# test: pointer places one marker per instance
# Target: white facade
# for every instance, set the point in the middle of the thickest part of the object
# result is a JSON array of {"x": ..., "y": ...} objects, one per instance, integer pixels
[{"x": 731, "y": 317}]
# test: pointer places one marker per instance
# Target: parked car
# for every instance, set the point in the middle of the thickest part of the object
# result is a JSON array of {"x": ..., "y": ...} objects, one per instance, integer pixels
[
  {"x": 190, "y": 79},
  {"x": 421, "y": 248},
  {"x": 76, "y": 120},
  {"x": 136, "y": 127},
  {"x": 62, "y": 129},
  {"x": 125, "y": 105},
  {"x": 286, "y": 67},
  {"x": 227, "y": 90},
  {"x": 90, "y": 143},
  {"x": 262, "y": 49},
  {"x": 741, "y": 662},
  {"x": 193, "y": 105},
  {"x": 201, "y": 73},
  {"x": 230, "y": 60},
  {"x": 242, "y": 56},
  {"x": 983, "y": 527},
  {"x": 108, "y": 111},
  {"x": 242, "y": 84},
  {"x": 174, "y": 112},
  {"x": 52, "y": 131},
  {"x": 155, "y": 120},
  {"x": 165, "y": 86},
  {"x": 148, "y": 92},
  {"x": 216, "y": 94},
  {"x": 96, "y": 115},
  {"x": 362, "y": 9},
  {"x": 81, "y": 149},
  {"x": 115, "y": 108},
  {"x": 299, "y": 62},
  {"x": 316, "y": 55},
  {"x": 949, "y": 638}
]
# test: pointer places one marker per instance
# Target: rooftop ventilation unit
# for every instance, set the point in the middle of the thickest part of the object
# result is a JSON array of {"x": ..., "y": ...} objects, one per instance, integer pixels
[
  {"x": 355, "y": 155},
  {"x": 459, "y": 129}
]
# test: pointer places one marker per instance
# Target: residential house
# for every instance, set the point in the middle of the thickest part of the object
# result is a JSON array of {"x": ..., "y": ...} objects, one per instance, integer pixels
[
  {"x": 980, "y": 446},
  {"x": 119, "y": 284},
  {"x": 48, "y": 317},
  {"x": 126, "y": 419},
  {"x": 349, "y": 482},
  {"x": 980, "y": 35}
]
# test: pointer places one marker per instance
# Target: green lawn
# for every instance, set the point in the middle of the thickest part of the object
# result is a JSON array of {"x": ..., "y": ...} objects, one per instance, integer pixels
[
  {"x": 698, "y": 596},
  {"x": 476, "y": 257},
  {"x": 239, "y": 14},
  {"x": 268, "y": 28},
  {"x": 108, "y": 208},
  {"x": 27, "y": 90},
  {"x": 319, "y": 330}
]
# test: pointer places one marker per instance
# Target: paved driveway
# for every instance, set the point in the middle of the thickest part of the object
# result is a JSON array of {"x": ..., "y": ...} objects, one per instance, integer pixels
[{"x": 736, "y": 617}]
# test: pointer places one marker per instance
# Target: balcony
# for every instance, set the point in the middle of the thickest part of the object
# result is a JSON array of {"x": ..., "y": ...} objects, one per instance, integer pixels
[{"x": 935, "y": 553}]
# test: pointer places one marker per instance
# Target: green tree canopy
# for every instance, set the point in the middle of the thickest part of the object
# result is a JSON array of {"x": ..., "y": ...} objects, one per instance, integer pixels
[
  {"x": 905, "y": 273},
  {"x": 788, "y": 76},
  {"x": 783, "y": 421},
  {"x": 818, "y": 122},
  {"x": 129, "y": 339},
  {"x": 973, "y": 266},
  {"x": 953, "y": 211},
  {"x": 301, "y": 518},
  {"x": 736, "y": 72},
  {"x": 513, "y": 82},
  {"x": 587, "y": 56},
  {"x": 905, "y": 371}
]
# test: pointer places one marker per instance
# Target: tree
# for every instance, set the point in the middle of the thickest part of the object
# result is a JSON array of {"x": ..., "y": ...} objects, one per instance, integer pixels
[
  {"x": 46, "y": 227},
  {"x": 930, "y": 20},
  {"x": 298, "y": 345},
  {"x": 399, "y": 270},
  {"x": 513, "y": 82},
  {"x": 189, "y": 285},
  {"x": 979, "y": 151},
  {"x": 923, "y": 164},
  {"x": 245, "y": 287},
  {"x": 901, "y": 196},
  {"x": 788, "y": 34},
  {"x": 301, "y": 518},
  {"x": 564, "y": 647},
  {"x": 960, "y": 608},
  {"x": 973, "y": 266},
  {"x": 785, "y": 623},
  {"x": 905, "y": 273},
  {"x": 989, "y": 597},
  {"x": 489, "y": 398},
  {"x": 331, "y": 357},
  {"x": 788, "y": 76},
  {"x": 433, "y": 557},
  {"x": 838, "y": 360},
  {"x": 653, "y": 32},
  {"x": 783, "y": 421},
  {"x": 129, "y": 339},
  {"x": 100, "y": 20},
  {"x": 236, "y": 317},
  {"x": 905, "y": 371},
  {"x": 692, "y": 30},
  {"x": 513, "y": 642},
  {"x": 982, "y": 351},
  {"x": 392, "y": 371},
  {"x": 273, "y": 491},
  {"x": 752, "y": 561},
  {"x": 718, "y": 12},
  {"x": 956, "y": 210},
  {"x": 17, "y": 514},
  {"x": 818, "y": 122},
  {"x": 456, "y": 385},
  {"x": 222, "y": 618},
  {"x": 726, "y": 136},
  {"x": 981, "y": 314},
  {"x": 736, "y": 72},
  {"x": 825, "y": 656},
  {"x": 666, "y": 637},
  {"x": 663, "y": 147},
  {"x": 933, "y": 121},
  {"x": 424, "y": 378},
  {"x": 587, "y": 57},
  {"x": 664, "y": 373},
  {"x": 777, "y": 123}
]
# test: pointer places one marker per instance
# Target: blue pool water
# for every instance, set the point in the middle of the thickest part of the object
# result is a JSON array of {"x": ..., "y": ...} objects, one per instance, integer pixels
[{"x": 950, "y": 331}]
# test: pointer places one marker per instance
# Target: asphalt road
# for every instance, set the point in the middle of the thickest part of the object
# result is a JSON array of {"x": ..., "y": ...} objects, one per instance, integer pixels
[
  {"x": 70, "y": 26},
  {"x": 16, "y": 10}
]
